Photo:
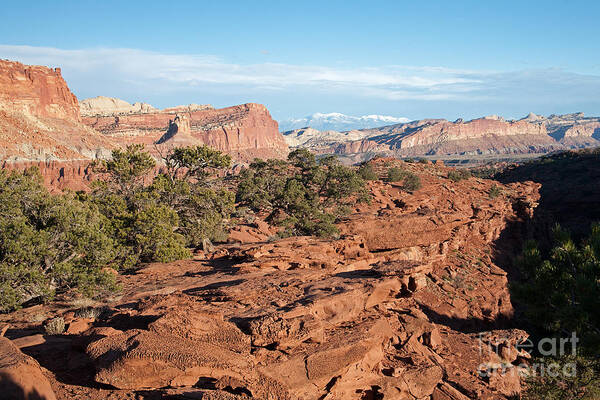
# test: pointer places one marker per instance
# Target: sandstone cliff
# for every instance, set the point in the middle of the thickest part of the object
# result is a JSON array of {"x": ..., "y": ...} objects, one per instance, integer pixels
[
  {"x": 40, "y": 125},
  {"x": 108, "y": 106},
  {"x": 486, "y": 136},
  {"x": 111, "y": 106},
  {"x": 39, "y": 117},
  {"x": 36, "y": 90},
  {"x": 245, "y": 131}
]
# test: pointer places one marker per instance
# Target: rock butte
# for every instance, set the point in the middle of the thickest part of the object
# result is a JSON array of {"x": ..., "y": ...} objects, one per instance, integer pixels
[
  {"x": 385, "y": 311},
  {"x": 245, "y": 131}
]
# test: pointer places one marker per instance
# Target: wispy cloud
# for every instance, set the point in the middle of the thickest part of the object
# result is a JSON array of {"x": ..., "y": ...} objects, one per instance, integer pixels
[
  {"x": 139, "y": 66},
  {"x": 140, "y": 70}
]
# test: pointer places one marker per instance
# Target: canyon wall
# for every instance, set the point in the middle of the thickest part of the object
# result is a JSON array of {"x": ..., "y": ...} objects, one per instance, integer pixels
[
  {"x": 37, "y": 90},
  {"x": 41, "y": 125},
  {"x": 39, "y": 118},
  {"x": 245, "y": 131},
  {"x": 479, "y": 137}
]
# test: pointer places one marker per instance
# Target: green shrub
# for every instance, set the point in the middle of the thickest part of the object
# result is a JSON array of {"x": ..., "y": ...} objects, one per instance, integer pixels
[
  {"x": 53, "y": 243},
  {"x": 584, "y": 385},
  {"x": 411, "y": 182},
  {"x": 395, "y": 174},
  {"x": 495, "y": 191},
  {"x": 458, "y": 175},
  {"x": 182, "y": 207},
  {"x": 560, "y": 293},
  {"x": 303, "y": 195},
  {"x": 367, "y": 172},
  {"x": 50, "y": 243},
  {"x": 423, "y": 160}
]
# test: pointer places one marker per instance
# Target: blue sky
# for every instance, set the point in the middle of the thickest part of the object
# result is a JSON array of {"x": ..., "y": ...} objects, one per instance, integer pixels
[{"x": 410, "y": 59}]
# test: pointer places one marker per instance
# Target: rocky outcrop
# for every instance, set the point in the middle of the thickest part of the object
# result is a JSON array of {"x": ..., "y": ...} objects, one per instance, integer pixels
[
  {"x": 36, "y": 90},
  {"x": 245, "y": 131},
  {"x": 58, "y": 175},
  {"x": 385, "y": 311},
  {"x": 39, "y": 118},
  {"x": 382, "y": 312},
  {"x": 111, "y": 106},
  {"x": 102, "y": 105},
  {"x": 21, "y": 377}
]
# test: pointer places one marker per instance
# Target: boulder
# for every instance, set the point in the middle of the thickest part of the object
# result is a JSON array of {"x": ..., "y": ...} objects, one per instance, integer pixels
[{"x": 21, "y": 377}]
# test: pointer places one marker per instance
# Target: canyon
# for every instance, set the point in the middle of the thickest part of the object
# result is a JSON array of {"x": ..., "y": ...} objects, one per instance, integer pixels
[{"x": 410, "y": 301}]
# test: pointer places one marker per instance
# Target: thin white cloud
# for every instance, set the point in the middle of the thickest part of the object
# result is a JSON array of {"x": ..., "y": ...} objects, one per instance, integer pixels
[
  {"x": 140, "y": 65},
  {"x": 145, "y": 72}
]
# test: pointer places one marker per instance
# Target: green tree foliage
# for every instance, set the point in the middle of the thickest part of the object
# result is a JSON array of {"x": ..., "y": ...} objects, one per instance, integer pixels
[
  {"x": 411, "y": 182},
  {"x": 52, "y": 243},
  {"x": 560, "y": 292},
  {"x": 202, "y": 205},
  {"x": 395, "y": 174},
  {"x": 367, "y": 172},
  {"x": 49, "y": 243},
  {"x": 194, "y": 162},
  {"x": 144, "y": 227},
  {"x": 458, "y": 175},
  {"x": 304, "y": 195},
  {"x": 181, "y": 208},
  {"x": 127, "y": 170}
]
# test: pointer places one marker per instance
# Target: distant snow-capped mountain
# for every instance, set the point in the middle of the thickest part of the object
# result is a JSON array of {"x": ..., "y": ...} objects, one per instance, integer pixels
[{"x": 339, "y": 122}]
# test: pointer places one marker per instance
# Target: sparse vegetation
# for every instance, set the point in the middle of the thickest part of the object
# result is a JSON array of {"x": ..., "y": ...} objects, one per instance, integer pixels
[
  {"x": 495, "y": 191},
  {"x": 458, "y": 175},
  {"x": 303, "y": 195},
  {"x": 411, "y": 182},
  {"x": 56, "y": 326},
  {"x": 367, "y": 172},
  {"x": 395, "y": 174},
  {"x": 89, "y": 312}
]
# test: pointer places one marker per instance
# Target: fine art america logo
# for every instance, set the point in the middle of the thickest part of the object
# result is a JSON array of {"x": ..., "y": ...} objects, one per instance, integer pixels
[{"x": 520, "y": 360}]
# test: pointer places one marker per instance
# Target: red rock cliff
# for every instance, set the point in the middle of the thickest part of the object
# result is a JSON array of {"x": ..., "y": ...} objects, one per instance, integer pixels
[
  {"x": 37, "y": 90},
  {"x": 245, "y": 131},
  {"x": 39, "y": 118}
]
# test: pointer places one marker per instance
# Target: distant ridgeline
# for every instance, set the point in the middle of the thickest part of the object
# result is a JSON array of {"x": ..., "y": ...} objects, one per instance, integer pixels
[{"x": 485, "y": 138}]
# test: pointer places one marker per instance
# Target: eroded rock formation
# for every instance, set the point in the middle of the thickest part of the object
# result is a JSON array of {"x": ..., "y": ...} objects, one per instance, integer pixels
[
  {"x": 245, "y": 131},
  {"x": 490, "y": 135},
  {"x": 36, "y": 90},
  {"x": 21, "y": 377},
  {"x": 40, "y": 125},
  {"x": 407, "y": 304},
  {"x": 39, "y": 118}
]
